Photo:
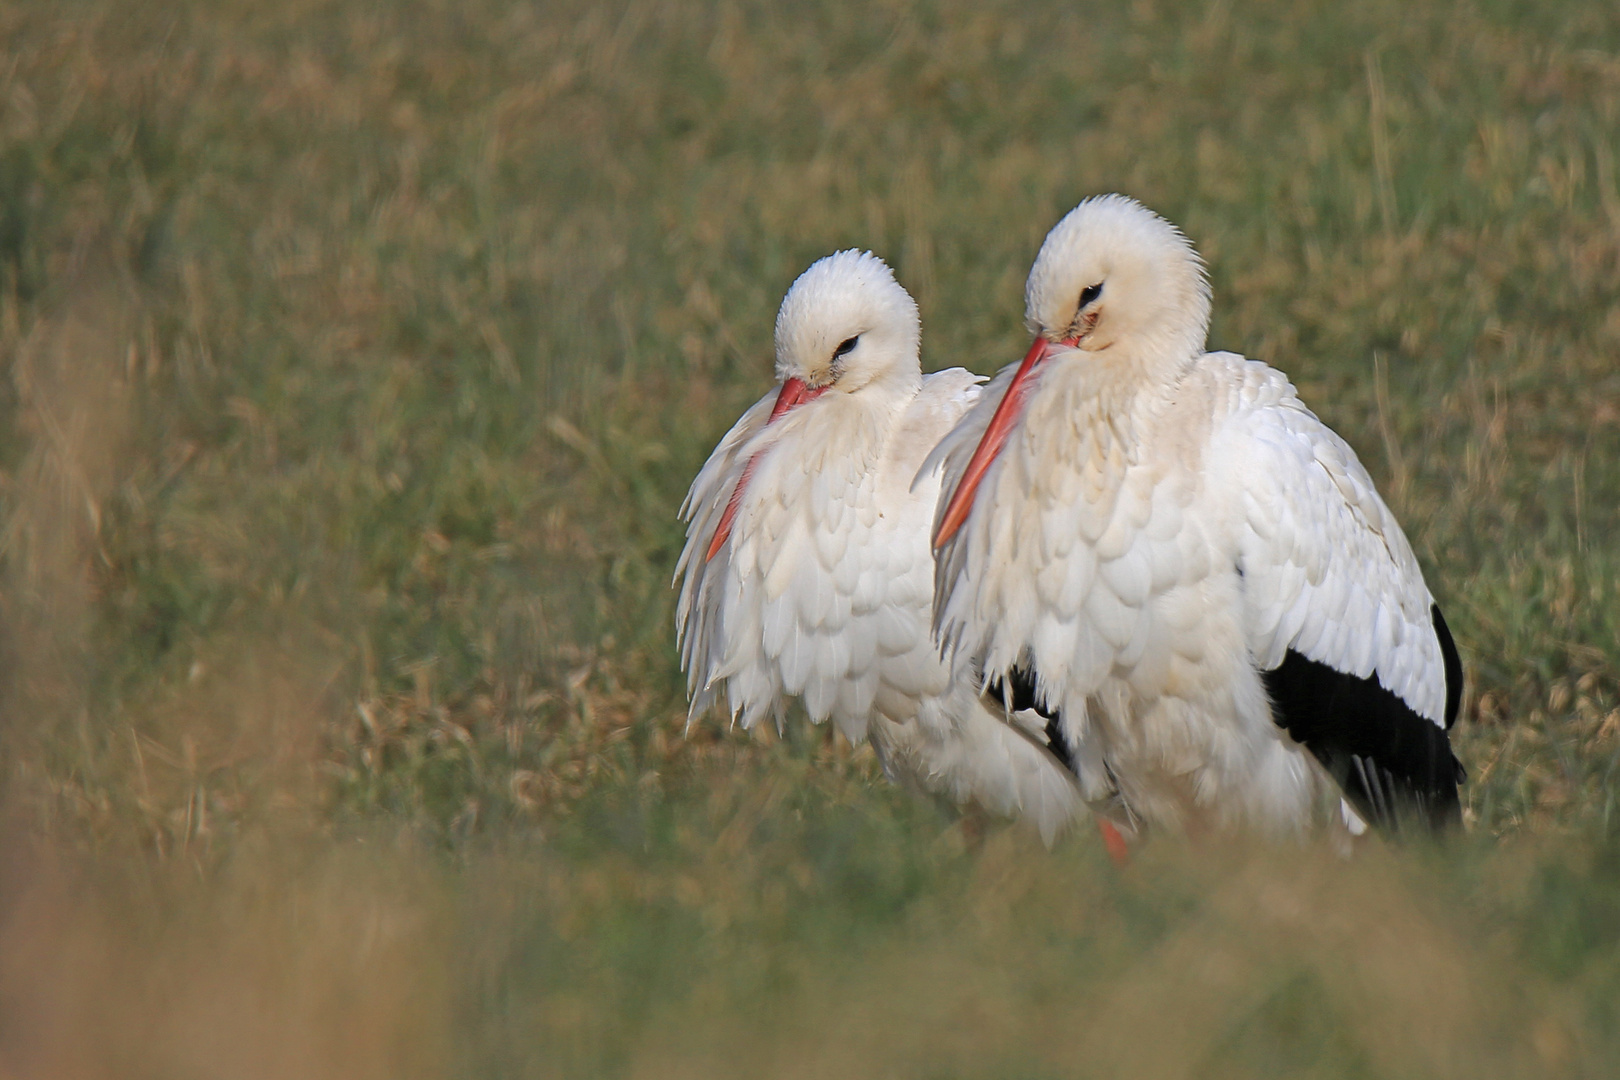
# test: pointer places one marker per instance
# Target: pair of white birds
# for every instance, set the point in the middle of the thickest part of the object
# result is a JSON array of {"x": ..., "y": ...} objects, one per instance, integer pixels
[{"x": 1127, "y": 574}]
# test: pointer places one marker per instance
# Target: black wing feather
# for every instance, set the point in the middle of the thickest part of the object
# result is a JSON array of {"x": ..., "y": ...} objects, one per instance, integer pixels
[
  {"x": 1387, "y": 758},
  {"x": 1454, "y": 671},
  {"x": 1019, "y": 693}
]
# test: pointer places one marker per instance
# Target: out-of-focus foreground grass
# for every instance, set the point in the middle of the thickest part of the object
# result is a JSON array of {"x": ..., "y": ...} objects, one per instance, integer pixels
[{"x": 357, "y": 356}]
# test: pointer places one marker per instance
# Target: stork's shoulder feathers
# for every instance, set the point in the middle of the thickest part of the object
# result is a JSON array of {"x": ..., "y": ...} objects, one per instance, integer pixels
[
  {"x": 944, "y": 397},
  {"x": 978, "y": 403}
]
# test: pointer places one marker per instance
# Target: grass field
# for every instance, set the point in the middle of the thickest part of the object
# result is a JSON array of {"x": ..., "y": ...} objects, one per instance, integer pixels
[{"x": 358, "y": 354}]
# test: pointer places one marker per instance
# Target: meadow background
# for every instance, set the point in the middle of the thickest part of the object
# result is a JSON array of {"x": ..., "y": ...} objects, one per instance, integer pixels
[{"x": 357, "y": 356}]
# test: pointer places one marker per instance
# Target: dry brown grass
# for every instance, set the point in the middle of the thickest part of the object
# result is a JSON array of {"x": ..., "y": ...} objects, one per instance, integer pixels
[{"x": 323, "y": 970}]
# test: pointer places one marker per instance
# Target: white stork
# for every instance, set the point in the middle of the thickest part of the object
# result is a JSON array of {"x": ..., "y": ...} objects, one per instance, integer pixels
[
  {"x": 807, "y": 571},
  {"x": 1164, "y": 551}
]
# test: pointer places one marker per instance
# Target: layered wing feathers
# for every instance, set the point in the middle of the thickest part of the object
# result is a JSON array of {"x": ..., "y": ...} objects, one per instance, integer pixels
[
  {"x": 1354, "y": 654},
  {"x": 1327, "y": 571}
]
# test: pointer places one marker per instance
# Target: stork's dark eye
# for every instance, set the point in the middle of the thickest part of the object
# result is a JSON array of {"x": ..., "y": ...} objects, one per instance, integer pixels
[
  {"x": 847, "y": 345},
  {"x": 1089, "y": 293}
]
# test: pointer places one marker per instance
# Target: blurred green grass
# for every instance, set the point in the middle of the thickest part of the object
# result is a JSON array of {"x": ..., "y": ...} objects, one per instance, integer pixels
[{"x": 358, "y": 355}]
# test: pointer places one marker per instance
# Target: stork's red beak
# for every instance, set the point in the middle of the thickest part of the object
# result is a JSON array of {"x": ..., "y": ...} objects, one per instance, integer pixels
[
  {"x": 995, "y": 437},
  {"x": 793, "y": 394}
]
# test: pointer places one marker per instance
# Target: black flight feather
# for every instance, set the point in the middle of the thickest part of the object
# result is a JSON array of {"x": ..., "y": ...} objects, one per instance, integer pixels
[{"x": 1387, "y": 758}]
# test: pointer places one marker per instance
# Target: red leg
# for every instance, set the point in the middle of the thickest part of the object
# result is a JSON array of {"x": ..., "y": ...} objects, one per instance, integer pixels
[{"x": 1114, "y": 841}]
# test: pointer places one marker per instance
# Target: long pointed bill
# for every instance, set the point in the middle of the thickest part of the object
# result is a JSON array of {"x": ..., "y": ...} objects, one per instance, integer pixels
[
  {"x": 793, "y": 394},
  {"x": 995, "y": 437}
]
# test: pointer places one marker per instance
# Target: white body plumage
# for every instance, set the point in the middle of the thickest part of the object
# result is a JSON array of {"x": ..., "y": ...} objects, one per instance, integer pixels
[
  {"x": 807, "y": 571},
  {"x": 1196, "y": 573}
]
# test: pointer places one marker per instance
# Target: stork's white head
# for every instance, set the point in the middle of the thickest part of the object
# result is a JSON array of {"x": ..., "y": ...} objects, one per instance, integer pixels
[
  {"x": 1113, "y": 273},
  {"x": 1112, "y": 278},
  {"x": 847, "y": 323}
]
